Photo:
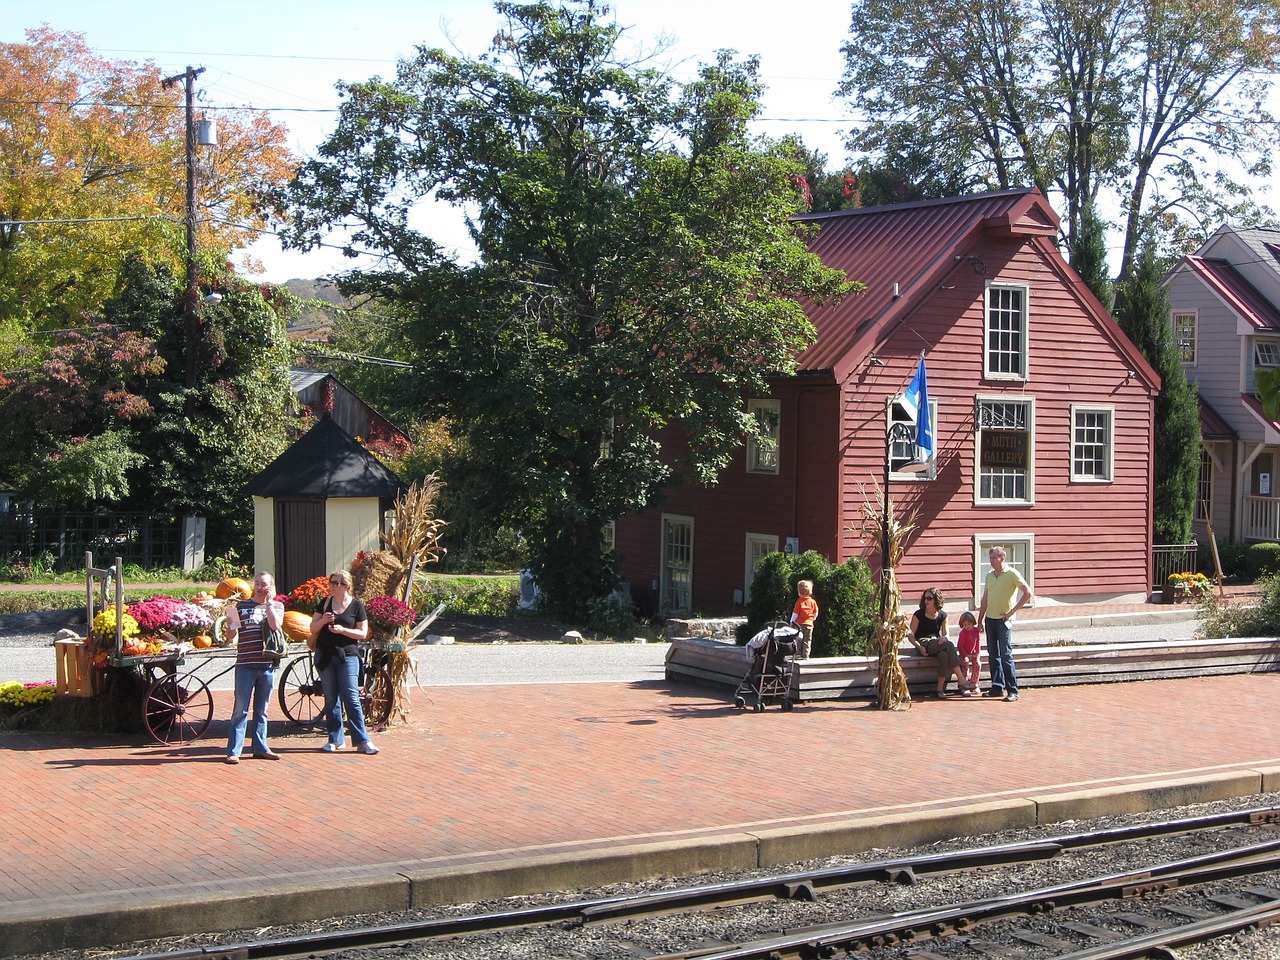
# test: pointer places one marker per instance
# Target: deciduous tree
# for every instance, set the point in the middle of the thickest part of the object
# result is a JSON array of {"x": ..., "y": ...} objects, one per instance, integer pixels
[
  {"x": 1150, "y": 103},
  {"x": 93, "y": 154},
  {"x": 638, "y": 268}
]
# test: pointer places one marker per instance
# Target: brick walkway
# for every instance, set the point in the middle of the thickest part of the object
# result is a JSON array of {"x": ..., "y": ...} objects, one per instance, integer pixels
[{"x": 538, "y": 781}]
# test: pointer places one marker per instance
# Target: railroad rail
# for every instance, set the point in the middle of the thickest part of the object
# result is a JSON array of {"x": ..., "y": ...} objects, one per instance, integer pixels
[{"x": 865, "y": 934}]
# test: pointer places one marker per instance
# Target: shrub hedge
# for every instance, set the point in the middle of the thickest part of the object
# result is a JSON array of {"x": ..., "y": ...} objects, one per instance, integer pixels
[{"x": 845, "y": 593}]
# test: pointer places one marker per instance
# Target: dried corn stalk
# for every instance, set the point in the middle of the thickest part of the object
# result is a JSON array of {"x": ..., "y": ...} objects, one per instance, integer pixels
[
  {"x": 877, "y": 518},
  {"x": 415, "y": 529},
  {"x": 400, "y": 667}
]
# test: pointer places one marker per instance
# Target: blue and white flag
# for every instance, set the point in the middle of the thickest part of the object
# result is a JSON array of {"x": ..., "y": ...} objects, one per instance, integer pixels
[{"x": 916, "y": 402}]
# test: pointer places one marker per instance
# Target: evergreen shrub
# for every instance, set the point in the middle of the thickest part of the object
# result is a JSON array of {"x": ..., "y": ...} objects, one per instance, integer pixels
[
  {"x": 1262, "y": 560},
  {"x": 1231, "y": 555},
  {"x": 845, "y": 593}
]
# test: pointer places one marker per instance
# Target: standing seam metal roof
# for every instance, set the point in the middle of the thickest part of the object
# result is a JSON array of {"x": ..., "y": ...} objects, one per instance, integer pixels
[
  {"x": 1225, "y": 280},
  {"x": 911, "y": 245}
]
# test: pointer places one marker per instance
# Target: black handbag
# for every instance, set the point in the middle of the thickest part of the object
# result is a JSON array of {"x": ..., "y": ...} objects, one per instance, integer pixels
[{"x": 274, "y": 644}]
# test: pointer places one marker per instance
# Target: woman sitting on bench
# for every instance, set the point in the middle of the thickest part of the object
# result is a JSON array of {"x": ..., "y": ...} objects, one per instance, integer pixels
[{"x": 929, "y": 635}]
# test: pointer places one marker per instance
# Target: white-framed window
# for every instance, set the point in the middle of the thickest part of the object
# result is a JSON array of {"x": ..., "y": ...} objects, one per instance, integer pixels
[
  {"x": 759, "y": 546},
  {"x": 1184, "y": 334},
  {"x": 609, "y": 534},
  {"x": 762, "y": 451},
  {"x": 1092, "y": 443},
  {"x": 1266, "y": 356},
  {"x": 1204, "y": 486},
  {"x": 1005, "y": 450},
  {"x": 675, "y": 592},
  {"x": 1019, "y": 551},
  {"x": 1005, "y": 332},
  {"x": 904, "y": 451}
]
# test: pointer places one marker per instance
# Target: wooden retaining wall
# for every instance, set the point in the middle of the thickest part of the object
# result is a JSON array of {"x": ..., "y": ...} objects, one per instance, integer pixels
[{"x": 717, "y": 663}]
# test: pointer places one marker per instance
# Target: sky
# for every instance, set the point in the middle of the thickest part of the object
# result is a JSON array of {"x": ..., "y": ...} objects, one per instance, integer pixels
[{"x": 285, "y": 56}]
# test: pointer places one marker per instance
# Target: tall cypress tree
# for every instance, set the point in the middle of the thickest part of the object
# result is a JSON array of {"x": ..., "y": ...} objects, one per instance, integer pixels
[
  {"x": 1142, "y": 310},
  {"x": 1089, "y": 254}
]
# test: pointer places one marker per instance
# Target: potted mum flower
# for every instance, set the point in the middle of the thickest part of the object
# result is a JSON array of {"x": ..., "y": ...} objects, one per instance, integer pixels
[
  {"x": 307, "y": 597},
  {"x": 388, "y": 616},
  {"x": 1186, "y": 584}
]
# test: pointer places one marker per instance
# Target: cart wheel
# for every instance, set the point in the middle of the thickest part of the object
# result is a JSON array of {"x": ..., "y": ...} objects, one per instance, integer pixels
[
  {"x": 759, "y": 706},
  {"x": 177, "y": 709},
  {"x": 740, "y": 703},
  {"x": 300, "y": 695},
  {"x": 786, "y": 706},
  {"x": 377, "y": 698}
]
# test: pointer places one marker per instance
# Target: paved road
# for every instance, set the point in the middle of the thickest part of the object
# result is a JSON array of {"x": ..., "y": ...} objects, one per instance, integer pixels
[{"x": 478, "y": 663}]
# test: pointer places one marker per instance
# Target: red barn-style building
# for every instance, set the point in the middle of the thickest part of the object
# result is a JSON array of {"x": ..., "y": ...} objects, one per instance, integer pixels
[{"x": 1042, "y": 412}]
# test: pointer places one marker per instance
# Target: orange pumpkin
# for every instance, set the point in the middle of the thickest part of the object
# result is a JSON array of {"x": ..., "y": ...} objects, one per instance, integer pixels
[
  {"x": 202, "y": 642},
  {"x": 233, "y": 588},
  {"x": 296, "y": 625}
]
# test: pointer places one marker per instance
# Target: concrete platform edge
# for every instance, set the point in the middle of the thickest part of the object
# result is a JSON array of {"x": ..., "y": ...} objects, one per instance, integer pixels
[
  {"x": 56, "y": 927},
  {"x": 53, "y": 926}
]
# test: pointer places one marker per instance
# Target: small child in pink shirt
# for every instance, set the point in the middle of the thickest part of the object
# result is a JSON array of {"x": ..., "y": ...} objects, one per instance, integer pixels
[{"x": 969, "y": 646}]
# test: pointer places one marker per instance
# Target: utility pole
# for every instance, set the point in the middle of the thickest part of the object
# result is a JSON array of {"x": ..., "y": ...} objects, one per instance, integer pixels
[{"x": 191, "y": 299}]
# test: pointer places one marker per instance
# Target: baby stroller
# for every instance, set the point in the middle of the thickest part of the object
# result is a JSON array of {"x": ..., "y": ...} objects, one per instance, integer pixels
[{"x": 768, "y": 679}]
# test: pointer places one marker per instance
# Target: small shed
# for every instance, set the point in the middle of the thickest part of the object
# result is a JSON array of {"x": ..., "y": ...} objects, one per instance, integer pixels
[{"x": 318, "y": 504}]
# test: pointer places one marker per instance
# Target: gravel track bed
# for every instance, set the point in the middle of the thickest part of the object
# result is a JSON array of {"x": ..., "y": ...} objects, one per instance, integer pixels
[{"x": 670, "y": 934}]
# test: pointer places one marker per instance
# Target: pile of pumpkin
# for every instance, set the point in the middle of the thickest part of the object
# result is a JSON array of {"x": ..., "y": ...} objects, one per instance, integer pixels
[{"x": 296, "y": 625}]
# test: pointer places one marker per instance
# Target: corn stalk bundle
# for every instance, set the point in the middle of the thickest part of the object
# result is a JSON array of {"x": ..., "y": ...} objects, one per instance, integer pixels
[
  {"x": 415, "y": 529},
  {"x": 400, "y": 667},
  {"x": 878, "y": 518}
]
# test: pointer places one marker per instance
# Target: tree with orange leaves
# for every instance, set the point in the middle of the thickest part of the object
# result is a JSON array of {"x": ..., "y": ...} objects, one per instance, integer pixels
[{"x": 93, "y": 153}]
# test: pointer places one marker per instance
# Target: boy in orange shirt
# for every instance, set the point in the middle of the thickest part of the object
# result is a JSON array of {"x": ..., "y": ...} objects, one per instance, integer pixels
[{"x": 803, "y": 615}]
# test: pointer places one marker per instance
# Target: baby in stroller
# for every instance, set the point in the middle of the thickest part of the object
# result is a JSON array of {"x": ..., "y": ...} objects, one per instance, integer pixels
[{"x": 768, "y": 679}]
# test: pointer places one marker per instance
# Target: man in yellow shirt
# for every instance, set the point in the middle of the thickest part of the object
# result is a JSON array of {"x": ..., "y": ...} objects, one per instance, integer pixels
[{"x": 997, "y": 609}]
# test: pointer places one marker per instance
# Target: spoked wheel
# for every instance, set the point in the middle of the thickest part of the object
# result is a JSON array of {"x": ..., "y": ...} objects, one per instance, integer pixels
[
  {"x": 177, "y": 708},
  {"x": 300, "y": 695},
  {"x": 377, "y": 698}
]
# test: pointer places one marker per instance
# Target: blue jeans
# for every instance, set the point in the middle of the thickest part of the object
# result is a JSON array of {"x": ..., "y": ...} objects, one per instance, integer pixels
[
  {"x": 1000, "y": 656},
  {"x": 255, "y": 683},
  {"x": 340, "y": 680}
]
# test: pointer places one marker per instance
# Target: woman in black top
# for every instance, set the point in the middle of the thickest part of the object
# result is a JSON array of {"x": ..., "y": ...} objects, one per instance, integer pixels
[
  {"x": 339, "y": 626},
  {"x": 929, "y": 636}
]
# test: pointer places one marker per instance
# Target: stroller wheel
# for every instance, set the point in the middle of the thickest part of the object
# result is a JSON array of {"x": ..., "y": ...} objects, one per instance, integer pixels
[
  {"x": 759, "y": 707},
  {"x": 786, "y": 706},
  {"x": 740, "y": 703}
]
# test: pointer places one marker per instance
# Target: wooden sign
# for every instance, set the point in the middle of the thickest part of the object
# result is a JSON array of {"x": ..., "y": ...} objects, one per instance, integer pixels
[{"x": 1005, "y": 449}]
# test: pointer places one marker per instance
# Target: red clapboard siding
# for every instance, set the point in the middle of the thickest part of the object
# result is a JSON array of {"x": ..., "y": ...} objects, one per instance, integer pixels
[{"x": 926, "y": 267}]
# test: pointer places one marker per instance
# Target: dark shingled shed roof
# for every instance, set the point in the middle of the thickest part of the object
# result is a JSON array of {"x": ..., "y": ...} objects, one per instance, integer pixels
[{"x": 326, "y": 462}]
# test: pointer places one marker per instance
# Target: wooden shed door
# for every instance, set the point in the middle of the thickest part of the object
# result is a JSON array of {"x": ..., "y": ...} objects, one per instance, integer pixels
[{"x": 300, "y": 538}]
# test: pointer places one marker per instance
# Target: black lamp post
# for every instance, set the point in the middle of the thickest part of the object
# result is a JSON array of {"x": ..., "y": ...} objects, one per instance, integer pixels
[{"x": 898, "y": 431}]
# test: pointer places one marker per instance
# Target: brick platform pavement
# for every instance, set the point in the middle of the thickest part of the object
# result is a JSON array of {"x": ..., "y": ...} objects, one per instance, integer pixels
[{"x": 495, "y": 790}]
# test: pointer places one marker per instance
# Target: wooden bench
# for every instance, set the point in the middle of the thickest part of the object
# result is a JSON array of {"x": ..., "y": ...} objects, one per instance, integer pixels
[{"x": 717, "y": 663}]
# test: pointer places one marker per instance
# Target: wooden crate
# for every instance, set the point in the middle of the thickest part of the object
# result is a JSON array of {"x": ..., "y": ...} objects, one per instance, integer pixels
[{"x": 74, "y": 671}]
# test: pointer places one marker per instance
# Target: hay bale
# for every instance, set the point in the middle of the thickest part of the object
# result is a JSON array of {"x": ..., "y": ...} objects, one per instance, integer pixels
[{"x": 379, "y": 572}]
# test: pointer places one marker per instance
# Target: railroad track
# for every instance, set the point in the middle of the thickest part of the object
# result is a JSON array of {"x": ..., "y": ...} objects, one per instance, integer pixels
[{"x": 1033, "y": 918}]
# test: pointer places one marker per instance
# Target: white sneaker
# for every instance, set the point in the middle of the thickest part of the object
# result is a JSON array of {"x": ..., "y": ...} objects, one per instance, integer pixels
[
  {"x": 367, "y": 747},
  {"x": 331, "y": 747}
]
